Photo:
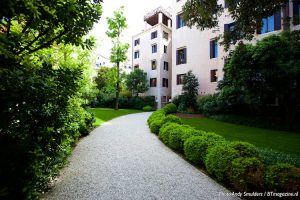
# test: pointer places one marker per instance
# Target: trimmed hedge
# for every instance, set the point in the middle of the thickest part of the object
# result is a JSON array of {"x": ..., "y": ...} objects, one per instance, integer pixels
[
  {"x": 245, "y": 149},
  {"x": 283, "y": 177},
  {"x": 236, "y": 163},
  {"x": 247, "y": 174},
  {"x": 218, "y": 161},
  {"x": 165, "y": 131},
  {"x": 179, "y": 135},
  {"x": 195, "y": 148}
]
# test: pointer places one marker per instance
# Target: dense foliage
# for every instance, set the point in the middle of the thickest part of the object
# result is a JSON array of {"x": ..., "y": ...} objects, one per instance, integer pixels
[
  {"x": 247, "y": 16},
  {"x": 190, "y": 92},
  {"x": 44, "y": 83},
  {"x": 137, "y": 82},
  {"x": 238, "y": 164},
  {"x": 261, "y": 80}
]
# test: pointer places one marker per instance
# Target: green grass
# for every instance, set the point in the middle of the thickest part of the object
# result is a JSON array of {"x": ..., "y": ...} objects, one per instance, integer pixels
[
  {"x": 105, "y": 114},
  {"x": 282, "y": 141}
]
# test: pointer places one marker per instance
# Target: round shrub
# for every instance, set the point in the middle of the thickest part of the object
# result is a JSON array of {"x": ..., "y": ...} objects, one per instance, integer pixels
[
  {"x": 283, "y": 177},
  {"x": 172, "y": 118},
  {"x": 147, "y": 108},
  {"x": 165, "y": 131},
  {"x": 155, "y": 115},
  {"x": 179, "y": 135},
  {"x": 195, "y": 148},
  {"x": 155, "y": 124},
  {"x": 244, "y": 149},
  {"x": 247, "y": 174},
  {"x": 218, "y": 160},
  {"x": 170, "y": 108}
]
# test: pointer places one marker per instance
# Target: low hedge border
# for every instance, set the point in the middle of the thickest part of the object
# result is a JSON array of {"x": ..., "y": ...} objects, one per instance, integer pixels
[{"x": 236, "y": 163}]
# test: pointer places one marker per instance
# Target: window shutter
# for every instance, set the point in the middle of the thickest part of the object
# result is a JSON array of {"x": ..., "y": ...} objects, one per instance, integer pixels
[
  {"x": 211, "y": 46},
  {"x": 185, "y": 55},
  {"x": 226, "y": 28},
  {"x": 277, "y": 20},
  {"x": 296, "y": 20},
  {"x": 177, "y": 59}
]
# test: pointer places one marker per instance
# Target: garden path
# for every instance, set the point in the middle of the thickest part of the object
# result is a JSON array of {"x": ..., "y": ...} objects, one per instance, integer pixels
[{"x": 121, "y": 159}]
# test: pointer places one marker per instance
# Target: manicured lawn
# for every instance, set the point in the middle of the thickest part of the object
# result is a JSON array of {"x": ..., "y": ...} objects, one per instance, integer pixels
[
  {"x": 287, "y": 142},
  {"x": 105, "y": 114}
]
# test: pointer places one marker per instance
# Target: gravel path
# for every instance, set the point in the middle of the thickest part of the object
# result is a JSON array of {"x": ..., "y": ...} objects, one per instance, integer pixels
[{"x": 123, "y": 160}]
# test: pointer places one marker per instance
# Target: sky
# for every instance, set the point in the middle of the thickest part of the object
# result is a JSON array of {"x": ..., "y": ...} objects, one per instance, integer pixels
[{"x": 134, "y": 11}]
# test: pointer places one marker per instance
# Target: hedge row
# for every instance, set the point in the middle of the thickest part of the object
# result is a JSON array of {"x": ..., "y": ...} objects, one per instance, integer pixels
[{"x": 235, "y": 163}]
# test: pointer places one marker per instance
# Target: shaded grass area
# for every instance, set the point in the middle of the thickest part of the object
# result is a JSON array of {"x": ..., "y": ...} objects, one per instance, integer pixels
[
  {"x": 105, "y": 114},
  {"x": 287, "y": 142}
]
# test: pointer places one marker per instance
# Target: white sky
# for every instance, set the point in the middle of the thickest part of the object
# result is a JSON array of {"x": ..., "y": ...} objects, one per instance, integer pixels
[{"x": 134, "y": 11}]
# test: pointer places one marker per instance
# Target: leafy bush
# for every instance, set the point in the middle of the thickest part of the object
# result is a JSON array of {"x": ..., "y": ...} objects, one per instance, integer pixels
[
  {"x": 179, "y": 135},
  {"x": 148, "y": 108},
  {"x": 283, "y": 178},
  {"x": 247, "y": 174},
  {"x": 156, "y": 124},
  {"x": 170, "y": 108},
  {"x": 155, "y": 115},
  {"x": 107, "y": 100},
  {"x": 172, "y": 118},
  {"x": 208, "y": 104},
  {"x": 244, "y": 149},
  {"x": 165, "y": 131},
  {"x": 195, "y": 148},
  {"x": 271, "y": 157},
  {"x": 176, "y": 100},
  {"x": 218, "y": 160}
]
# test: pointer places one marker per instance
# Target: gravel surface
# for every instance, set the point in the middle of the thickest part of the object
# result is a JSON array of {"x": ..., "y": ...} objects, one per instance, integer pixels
[{"x": 122, "y": 160}]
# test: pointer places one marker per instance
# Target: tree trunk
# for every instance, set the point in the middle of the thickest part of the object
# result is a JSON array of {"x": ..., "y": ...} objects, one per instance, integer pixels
[{"x": 118, "y": 86}]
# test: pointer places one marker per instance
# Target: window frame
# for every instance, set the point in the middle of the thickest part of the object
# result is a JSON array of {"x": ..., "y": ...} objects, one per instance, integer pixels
[
  {"x": 154, "y": 48},
  {"x": 153, "y": 67},
  {"x": 153, "y": 35},
  {"x": 180, "y": 61},
  {"x": 136, "y": 55},
  {"x": 153, "y": 82},
  {"x": 213, "y": 75},
  {"x": 179, "y": 80}
]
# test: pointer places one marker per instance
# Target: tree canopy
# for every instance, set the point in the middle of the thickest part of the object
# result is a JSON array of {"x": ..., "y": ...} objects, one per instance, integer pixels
[
  {"x": 137, "y": 82},
  {"x": 190, "y": 91},
  {"x": 247, "y": 15},
  {"x": 28, "y": 26}
]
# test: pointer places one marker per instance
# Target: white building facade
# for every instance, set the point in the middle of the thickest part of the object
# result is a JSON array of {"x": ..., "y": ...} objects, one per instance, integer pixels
[
  {"x": 200, "y": 51},
  {"x": 193, "y": 49},
  {"x": 152, "y": 52}
]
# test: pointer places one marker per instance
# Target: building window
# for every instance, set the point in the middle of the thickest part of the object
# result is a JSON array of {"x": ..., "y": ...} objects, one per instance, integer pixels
[
  {"x": 153, "y": 35},
  {"x": 154, "y": 48},
  {"x": 180, "y": 79},
  {"x": 165, "y": 49},
  {"x": 213, "y": 75},
  {"x": 136, "y": 54},
  {"x": 271, "y": 23},
  {"x": 165, "y": 82},
  {"x": 164, "y": 99},
  {"x": 152, "y": 82},
  {"x": 296, "y": 12},
  {"x": 166, "y": 66},
  {"x": 165, "y": 35},
  {"x": 229, "y": 27},
  {"x": 225, "y": 4},
  {"x": 181, "y": 56},
  {"x": 153, "y": 65},
  {"x": 213, "y": 49},
  {"x": 136, "y": 42},
  {"x": 136, "y": 66},
  {"x": 180, "y": 22}
]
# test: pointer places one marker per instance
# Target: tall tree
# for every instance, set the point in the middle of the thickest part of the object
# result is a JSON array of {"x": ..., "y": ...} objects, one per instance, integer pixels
[
  {"x": 136, "y": 82},
  {"x": 247, "y": 16},
  {"x": 190, "y": 91},
  {"x": 116, "y": 25}
]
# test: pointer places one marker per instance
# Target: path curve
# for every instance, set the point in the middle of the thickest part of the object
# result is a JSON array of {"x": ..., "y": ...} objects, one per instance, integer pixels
[{"x": 122, "y": 160}]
